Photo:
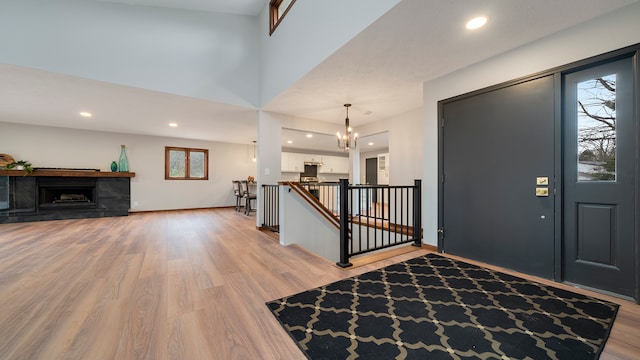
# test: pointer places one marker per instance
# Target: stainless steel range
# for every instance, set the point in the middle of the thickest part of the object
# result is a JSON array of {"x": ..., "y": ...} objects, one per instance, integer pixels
[{"x": 308, "y": 179}]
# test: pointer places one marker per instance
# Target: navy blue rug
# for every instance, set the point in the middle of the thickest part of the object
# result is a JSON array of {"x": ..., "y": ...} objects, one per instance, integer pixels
[{"x": 433, "y": 307}]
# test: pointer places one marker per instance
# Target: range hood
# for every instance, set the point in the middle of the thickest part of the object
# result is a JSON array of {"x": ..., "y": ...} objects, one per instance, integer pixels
[{"x": 316, "y": 163}]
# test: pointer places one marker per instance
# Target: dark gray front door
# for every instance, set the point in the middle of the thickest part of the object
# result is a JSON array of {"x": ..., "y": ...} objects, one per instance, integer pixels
[
  {"x": 496, "y": 148},
  {"x": 598, "y": 202}
]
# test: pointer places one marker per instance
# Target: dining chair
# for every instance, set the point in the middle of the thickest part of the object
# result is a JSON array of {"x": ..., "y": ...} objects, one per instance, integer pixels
[
  {"x": 248, "y": 196},
  {"x": 238, "y": 193}
]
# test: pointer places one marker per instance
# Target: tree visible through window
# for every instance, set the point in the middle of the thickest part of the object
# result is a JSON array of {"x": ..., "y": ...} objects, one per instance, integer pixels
[
  {"x": 597, "y": 129},
  {"x": 186, "y": 163}
]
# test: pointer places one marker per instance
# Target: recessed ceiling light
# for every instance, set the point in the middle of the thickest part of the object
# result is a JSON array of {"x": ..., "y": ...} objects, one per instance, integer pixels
[
  {"x": 289, "y": 142},
  {"x": 173, "y": 124},
  {"x": 370, "y": 144},
  {"x": 476, "y": 23},
  {"x": 86, "y": 114},
  {"x": 309, "y": 135}
]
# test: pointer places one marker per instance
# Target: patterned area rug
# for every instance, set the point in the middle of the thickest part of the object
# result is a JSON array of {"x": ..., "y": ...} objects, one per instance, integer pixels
[{"x": 433, "y": 307}]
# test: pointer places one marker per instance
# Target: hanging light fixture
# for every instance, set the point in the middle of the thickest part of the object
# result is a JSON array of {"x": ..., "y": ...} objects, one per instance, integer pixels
[
  {"x": 254, "y": 152},
  {"x": 348, "y": 141}
]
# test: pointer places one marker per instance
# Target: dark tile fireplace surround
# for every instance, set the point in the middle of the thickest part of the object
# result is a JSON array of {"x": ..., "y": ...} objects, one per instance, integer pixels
[{"x": 74, "y": 196}]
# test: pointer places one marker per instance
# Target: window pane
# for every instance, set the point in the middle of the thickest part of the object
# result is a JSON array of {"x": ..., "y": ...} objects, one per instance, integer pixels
[
  {"x": 597, "y": 129},
  {"x": 196, "y": 164},
  {"x": 177, "y": 163},
  {"x": 283, "y": 6}
]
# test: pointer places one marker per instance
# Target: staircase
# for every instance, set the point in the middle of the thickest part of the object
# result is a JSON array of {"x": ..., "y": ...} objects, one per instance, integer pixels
[{"x": 365, "y": 219}]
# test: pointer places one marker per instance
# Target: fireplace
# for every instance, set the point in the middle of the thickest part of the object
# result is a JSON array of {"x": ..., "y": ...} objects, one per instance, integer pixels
[
  {"x": 66, "y": 193},
  {"x": 56, "y": 194}
]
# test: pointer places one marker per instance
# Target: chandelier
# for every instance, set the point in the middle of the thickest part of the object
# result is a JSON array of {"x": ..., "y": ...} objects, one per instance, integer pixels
[{"x": 349, "y": 140}]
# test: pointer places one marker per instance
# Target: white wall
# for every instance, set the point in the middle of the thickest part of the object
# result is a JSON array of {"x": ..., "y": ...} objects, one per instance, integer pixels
[
  {"x": 310, "y": 32},
  {"x": 68, "y": 148},
  {"x": 405, "y": 145},
  {"x": 610, "y": 32},
  {"x": 307, "y": 227},
  {"x": 203, "y": 55}
]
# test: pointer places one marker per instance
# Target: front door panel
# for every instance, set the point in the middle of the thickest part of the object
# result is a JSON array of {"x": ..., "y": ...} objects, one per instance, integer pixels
[
  {"x": 598, "y": 172},
  {"x": 498, "y": 162}
]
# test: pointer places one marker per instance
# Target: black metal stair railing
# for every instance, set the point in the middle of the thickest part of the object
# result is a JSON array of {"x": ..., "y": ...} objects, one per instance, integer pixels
[
  {"x": 374, "y": 217},
  {"x": 271, "y": 207},
  {"x": 326, "y": 193},
  {"x": 371, "y": 217}
]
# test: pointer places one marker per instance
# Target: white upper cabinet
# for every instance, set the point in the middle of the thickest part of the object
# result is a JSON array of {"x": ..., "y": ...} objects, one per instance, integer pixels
[
  {"x": 292, "y": 162},
  {"x": 334, "y": 165},
  {"x": 311, "y": 158}
]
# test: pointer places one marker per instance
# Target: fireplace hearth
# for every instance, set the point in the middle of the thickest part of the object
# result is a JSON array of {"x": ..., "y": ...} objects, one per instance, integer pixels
[{"x": 65, "y": 193}]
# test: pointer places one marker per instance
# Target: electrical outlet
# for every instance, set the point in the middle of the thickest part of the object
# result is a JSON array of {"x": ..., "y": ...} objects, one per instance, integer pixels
[{"x": 136, "y": 204}]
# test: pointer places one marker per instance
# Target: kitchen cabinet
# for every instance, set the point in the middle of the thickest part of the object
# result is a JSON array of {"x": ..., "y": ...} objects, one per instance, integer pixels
[
  {"x": 294, "y": 162},
  {"x": 383, "y": 169},
  {"x": 334, "y": 165},
  {"x": 291, "y": 162},
  {"x": 311, "y": 158}
]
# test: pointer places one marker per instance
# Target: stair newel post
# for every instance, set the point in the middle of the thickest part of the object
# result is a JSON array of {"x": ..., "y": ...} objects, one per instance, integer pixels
[
  {"x": 417, "y": 212},
  {"x": 344, "y": 224}
]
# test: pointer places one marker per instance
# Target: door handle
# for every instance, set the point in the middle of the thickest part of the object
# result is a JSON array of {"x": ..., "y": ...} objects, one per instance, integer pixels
[{"x": 542, "y": 191}]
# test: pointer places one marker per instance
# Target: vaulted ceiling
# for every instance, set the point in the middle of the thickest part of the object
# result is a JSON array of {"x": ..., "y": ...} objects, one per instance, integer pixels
[
  {"x": 381, "y": 71},
  {"x": 241, "y": 7}
]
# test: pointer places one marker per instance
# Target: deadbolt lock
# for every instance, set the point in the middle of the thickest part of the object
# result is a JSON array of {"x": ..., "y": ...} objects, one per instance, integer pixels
[{"x": 542, "y": 180}]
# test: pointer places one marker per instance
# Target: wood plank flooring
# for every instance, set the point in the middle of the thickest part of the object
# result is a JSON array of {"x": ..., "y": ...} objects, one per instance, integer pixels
[{"x": 171, "y": 285}]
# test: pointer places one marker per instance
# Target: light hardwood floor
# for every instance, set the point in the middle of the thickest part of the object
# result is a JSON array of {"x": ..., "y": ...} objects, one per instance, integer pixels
[{"x": 171, "y": 285}]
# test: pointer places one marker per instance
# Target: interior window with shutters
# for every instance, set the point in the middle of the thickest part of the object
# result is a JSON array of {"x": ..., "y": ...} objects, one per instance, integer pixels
[{"x": 186, "y": 163}]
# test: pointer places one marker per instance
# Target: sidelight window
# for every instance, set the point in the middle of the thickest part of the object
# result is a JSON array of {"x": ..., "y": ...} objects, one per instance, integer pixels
[
  {"x": 186, "y": 164},
  {"x": 597, "y": 129}
]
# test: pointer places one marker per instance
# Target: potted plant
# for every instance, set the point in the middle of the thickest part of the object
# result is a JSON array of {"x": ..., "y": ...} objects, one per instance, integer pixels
[{"x": 20, "y": 165}]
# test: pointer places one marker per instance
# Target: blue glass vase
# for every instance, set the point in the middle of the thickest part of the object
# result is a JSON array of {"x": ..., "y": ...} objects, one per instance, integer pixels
[
  {"x": 123, "y": 163},
  {"x": 114, "y": 166}
]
